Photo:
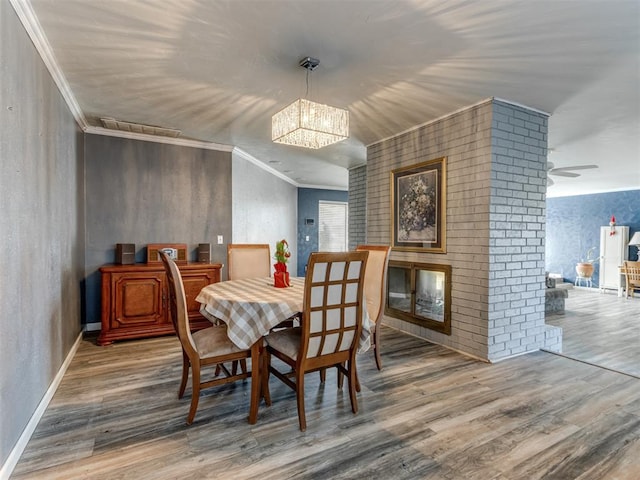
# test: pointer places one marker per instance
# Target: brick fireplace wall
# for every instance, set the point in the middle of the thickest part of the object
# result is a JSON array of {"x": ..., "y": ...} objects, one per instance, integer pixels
[
  {"x": 357, "y": 206},
  {"x": 496, "y": 170}
]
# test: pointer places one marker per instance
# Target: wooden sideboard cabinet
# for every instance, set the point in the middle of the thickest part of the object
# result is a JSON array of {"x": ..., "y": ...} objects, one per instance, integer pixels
[{"x": 135, "y": 299}]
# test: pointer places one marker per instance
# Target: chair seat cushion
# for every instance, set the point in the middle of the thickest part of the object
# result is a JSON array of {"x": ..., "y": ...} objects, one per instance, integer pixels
[
  {"x": 286, "y": 341},
  {"x": 214, "y": 341}
]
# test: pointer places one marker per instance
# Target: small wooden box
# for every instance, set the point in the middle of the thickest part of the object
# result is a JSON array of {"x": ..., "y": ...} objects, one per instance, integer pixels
[{"x": 180, "y": 250}]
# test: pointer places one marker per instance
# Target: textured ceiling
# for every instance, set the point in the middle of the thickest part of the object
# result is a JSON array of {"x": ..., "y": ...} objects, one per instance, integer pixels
[{"x": 218, "y": 70}]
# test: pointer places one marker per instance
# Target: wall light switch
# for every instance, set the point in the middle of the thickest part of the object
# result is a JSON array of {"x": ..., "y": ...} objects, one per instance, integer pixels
[
  {"x": 306, "y": 239},
  {"x": 220, "y": 240}
]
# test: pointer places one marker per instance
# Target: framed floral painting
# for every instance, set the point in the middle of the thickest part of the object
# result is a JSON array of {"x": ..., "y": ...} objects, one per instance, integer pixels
[{"x": 418, "y": 207}]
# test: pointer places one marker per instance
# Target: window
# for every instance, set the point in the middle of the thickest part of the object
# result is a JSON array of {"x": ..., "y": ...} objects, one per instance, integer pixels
[{"x": 333, "y": 226}]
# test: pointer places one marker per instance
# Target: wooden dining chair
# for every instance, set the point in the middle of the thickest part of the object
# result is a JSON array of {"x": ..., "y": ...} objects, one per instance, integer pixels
[
  {"x": 246, "y": 260},
  {"x": 632, "y": 276},
  {"x": 375, "y": 282},
  {"x": 330, "y": 327},
  {"x": 207, "y": 347}
]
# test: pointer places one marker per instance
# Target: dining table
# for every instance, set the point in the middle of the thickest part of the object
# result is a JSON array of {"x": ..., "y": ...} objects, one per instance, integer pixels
[{"x": 252, "y": 307}]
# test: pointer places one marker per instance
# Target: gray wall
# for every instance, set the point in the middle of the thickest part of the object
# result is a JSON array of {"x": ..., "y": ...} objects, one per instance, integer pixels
[
  {"x": 264, "y": 208},
  {"x": 146, "y": 192},
  {"x": 41, "y": 229},
  {"x": 136, "y": 192},
  {"x": 496, "y": 159}
]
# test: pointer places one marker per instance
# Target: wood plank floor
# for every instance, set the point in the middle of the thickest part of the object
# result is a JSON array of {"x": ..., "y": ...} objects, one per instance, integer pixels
[
  {"x": 601, "y": 328},
  {"x": 429, "y": 414}
]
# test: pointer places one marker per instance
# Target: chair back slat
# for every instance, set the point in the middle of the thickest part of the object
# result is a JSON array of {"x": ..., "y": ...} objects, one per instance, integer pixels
[
  {"x": 332, "y": 312},
  {"x": 248, "y": 261},
  {"x": 178, "y": 304},
  {"x": 632, "y": 270},
  {"x": 375, "y": 279}
]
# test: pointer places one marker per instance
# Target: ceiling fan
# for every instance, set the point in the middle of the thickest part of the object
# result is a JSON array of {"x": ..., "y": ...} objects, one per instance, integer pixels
[{"x": 565, "y": 171}]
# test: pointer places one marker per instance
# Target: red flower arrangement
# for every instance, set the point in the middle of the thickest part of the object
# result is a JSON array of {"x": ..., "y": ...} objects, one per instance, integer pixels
[{"x": 281, "y": 275}]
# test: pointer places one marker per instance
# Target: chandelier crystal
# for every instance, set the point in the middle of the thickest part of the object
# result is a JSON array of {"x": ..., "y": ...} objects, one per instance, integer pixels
[{"x": 309, "y": 124}]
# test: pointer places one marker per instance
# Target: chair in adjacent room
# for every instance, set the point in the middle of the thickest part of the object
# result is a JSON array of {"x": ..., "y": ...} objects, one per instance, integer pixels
[
  {"x": 375, "y": 282},
  {"x": 207, "y": 347},
  {"x": 248, "y": 260},
  {"x": 632, "y": 276},
  {"x": 330, "y": 327}
]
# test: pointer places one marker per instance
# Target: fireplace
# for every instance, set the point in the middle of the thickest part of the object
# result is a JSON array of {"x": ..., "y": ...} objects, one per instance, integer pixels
[{"x": 420, "y": 293}]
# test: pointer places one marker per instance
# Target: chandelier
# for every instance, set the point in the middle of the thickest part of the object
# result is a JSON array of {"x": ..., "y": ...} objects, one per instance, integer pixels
[{"x": 309, "y": 124}]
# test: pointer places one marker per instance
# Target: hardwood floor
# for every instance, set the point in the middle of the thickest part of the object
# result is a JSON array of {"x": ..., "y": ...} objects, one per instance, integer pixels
[
  {"x": 431, "y": 413},
  {"x": 601, "y": 328}
]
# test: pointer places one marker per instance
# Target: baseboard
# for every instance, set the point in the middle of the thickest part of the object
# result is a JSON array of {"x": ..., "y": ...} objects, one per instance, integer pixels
[
  {"x": 448, "y": 347},
  {"x": 92, "y": 327},
  {"x": 18, "y": 449}
]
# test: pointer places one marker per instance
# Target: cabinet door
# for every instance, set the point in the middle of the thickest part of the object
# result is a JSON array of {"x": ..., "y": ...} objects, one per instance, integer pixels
[
  {"x": 138, "y": 300},
  {"x": 193, "y": 282}
]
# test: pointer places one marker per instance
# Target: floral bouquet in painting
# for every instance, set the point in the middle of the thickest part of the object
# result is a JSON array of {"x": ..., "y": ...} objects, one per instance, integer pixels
[
  {"x": 417, "y": 208},
  {"x": 281, "y": 275}
]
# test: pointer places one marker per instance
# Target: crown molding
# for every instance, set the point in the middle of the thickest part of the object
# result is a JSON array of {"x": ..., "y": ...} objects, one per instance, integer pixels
[
  {"x": 250, "y": 158},
  {"x": 258, "y": 163},
  {"x": 521, "y": 105},
  {"x": 323, "y": 187},
  {"x": 182, "y": 142},
  {"x": 31, "y": 24},
  {"x": 455, "y": 112}
]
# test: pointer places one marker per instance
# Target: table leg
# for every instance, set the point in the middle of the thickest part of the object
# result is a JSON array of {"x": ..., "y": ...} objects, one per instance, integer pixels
[{"x": 256, "y": 381}]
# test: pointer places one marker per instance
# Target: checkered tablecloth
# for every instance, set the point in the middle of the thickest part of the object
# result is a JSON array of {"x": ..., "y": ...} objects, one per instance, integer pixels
[{"x": 251, "y": 307}]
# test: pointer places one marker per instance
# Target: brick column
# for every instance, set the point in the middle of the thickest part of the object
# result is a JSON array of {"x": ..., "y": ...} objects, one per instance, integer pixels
[{"x": 496, "y": 184}]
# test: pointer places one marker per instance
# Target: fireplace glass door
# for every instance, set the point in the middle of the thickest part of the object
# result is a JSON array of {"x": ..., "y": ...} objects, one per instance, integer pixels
[{"x": 420, "y": 293}]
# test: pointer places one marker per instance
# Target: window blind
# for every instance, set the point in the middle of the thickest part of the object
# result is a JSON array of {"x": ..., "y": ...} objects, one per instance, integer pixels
[{"x": 333, "y": 226}]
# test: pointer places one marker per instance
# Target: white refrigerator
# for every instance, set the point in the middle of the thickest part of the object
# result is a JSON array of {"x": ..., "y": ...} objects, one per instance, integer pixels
[{"x": 614, "y": 250}]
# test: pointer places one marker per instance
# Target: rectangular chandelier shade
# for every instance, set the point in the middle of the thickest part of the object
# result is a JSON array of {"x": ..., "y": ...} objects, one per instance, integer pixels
[{"x": 310, "y": 125}]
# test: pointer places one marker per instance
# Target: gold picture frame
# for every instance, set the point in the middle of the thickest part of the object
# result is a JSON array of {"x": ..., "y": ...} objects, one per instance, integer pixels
[
  {"x": 420, "y": 293},
  {"x": 418, "y": 207}
]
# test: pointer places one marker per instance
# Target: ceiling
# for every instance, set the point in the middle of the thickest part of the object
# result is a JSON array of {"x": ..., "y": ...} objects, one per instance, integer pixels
[{"x": 217, "y": 71}]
